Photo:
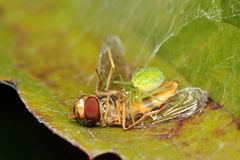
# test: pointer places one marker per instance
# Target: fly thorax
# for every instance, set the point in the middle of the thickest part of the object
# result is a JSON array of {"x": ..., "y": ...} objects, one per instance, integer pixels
[{"x": 109, "y": 110}]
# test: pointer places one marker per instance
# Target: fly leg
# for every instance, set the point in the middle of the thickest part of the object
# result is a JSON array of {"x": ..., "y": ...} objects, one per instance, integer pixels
[
  {"x": 124, "y": 116},
  {"x": 118, "y": 109},
  {"x": 146, "y": 115},
  {"x": 111, "y": 69},
  {"x": 124, "y": 126},
  {"x": 107, "y": 108}
]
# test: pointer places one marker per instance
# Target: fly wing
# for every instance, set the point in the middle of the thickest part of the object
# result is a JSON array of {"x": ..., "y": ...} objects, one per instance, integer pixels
[
  {"x": 181, "y": 106},
  {"x": 184, "y": 104},
  {"x": 114, "y": 45}
]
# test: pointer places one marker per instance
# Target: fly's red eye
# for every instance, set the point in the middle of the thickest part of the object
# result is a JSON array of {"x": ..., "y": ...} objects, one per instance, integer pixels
[{"x": 91, "y": 109}]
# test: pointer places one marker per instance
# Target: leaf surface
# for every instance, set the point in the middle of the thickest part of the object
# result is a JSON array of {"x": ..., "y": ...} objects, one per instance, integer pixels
[{"x": 50, "y": 48}]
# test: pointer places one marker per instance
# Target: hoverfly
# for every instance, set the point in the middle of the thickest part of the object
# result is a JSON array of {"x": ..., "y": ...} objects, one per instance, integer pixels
[{"x": 132, "y": 104}]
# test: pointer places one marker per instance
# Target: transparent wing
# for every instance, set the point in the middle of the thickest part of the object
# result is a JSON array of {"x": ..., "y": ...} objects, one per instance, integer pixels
[
  {"x": 183, "y": 105},
  {"x": 114, "y": 45}
]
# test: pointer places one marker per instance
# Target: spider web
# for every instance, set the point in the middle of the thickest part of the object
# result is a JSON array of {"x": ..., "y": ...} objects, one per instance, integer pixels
[{"x": 154, "y": 26}]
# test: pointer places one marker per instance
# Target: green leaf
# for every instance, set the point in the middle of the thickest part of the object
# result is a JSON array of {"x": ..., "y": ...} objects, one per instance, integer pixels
[{"x": 50, "y": 48}]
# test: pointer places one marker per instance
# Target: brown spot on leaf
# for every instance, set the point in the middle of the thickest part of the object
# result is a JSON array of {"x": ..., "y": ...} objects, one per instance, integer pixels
[
  {"x": 184, "y": 144},
  {"x": 170, "y": 133},
  {"x": 1, "y": 11},
  {"x": 236, "y": 122},
  {"x": 41, "y": 117},
  {"x": 219, "y": 132},
  {"x": 238, "y": 125}
]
